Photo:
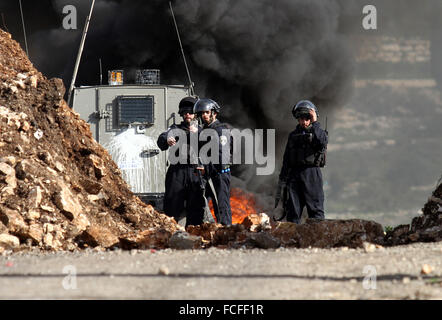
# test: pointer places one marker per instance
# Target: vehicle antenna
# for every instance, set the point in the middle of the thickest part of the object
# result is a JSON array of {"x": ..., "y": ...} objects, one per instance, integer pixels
[
  {"x": 24, "y": 29},
  {"x": 182, "y": 51},
  {"x": 80, "y": 51}
]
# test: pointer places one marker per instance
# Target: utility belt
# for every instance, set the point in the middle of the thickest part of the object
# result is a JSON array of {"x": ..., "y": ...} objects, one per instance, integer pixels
[
  {"x": 222, "y": 168},
  {"x": 183, "y": 166}
]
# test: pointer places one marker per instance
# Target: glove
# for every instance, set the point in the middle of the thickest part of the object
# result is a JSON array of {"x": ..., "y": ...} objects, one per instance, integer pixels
[{"x": 281, "y": 186}]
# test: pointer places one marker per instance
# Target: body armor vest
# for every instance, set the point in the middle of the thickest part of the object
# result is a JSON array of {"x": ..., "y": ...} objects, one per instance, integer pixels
[{"x": 303, "y": 152}]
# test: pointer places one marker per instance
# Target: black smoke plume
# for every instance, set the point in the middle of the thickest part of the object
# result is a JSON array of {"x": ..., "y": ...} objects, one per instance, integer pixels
[{"x": 256, "y": 58}]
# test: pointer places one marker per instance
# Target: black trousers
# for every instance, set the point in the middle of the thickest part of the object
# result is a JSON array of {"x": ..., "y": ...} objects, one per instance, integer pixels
[
  {"x": 221, "y": 183},
  {"x": 184, "y": 194},
  {"x": 305, "y": 188}
]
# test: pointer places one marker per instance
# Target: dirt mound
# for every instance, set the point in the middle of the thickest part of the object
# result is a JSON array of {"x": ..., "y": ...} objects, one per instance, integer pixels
[
  {"x": 424, "y": 228},
  {"x": 59, "y": 189}
]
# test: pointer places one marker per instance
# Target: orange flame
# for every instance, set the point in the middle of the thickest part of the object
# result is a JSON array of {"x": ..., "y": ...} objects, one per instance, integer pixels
[{"x": 242, "y": 203}]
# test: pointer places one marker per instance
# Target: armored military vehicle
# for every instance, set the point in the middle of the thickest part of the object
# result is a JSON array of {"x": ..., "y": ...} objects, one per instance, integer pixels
[{"x": 127, "y": 120}]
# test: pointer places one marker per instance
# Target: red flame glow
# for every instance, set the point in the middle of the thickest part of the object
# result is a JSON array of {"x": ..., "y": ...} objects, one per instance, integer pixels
[{"x": 242, "y": 203}]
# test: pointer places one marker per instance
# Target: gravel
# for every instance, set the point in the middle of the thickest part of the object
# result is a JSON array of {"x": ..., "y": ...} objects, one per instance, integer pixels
[{"x": 338, "y": 273}]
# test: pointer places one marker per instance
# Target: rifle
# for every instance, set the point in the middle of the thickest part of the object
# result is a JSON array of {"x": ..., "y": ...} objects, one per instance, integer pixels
[
  {"x": 203, "y": 183},
  {"x": 281, "y": 193}
]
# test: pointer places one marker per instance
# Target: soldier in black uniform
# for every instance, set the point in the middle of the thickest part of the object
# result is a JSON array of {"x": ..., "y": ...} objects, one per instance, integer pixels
[
  {"x": 303, "y": 157},
  {"x": 183, "y": 186},
  {"x": 207, "y": 111}
]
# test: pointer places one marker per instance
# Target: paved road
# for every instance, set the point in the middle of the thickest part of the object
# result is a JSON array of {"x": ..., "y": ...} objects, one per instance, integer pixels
[{"x": 386, "y": 273}]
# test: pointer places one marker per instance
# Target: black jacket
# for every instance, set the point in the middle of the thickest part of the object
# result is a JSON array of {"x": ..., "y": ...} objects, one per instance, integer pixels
[
  {"x": 302, "y": 147},
  {"x": 162, "y": 139},
  {"x": 225, "y": 154}
]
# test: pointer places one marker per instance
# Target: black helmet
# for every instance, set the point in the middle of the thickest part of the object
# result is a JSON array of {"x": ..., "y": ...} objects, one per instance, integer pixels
[
  {"x": 302, "y": 109},
  {"x": 186, "y": 105},
  {"x": 206, "y": 105}
]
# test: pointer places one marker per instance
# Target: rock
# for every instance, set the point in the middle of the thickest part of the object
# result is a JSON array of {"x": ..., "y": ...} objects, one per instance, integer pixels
[
  {"x": 6, "y": 169},
  {"x": 265, "y": 240},
  {"x": 257, "y": 222},
  {"x": 369, "y": 247},
  {"x": 33, "y": 214},
  {"x": 53, "y": 172},
  {"x": 24, "y": 138},
  {"x": 7, "y": 191},
  {"x": 57, "y": 245},
  {"x": 11, "y": 160},
  {"x": 329, "y": 233},
  {"x": 34, "y": 197},
  {"x": 163, "y": 270},
  {"x": 48, "y": 227},
  {"x": 228, "y": 235},
  {"x": 7, "y": 174},
  {"x": 66, "y": 202},
  {"x": 184, "y": 240},
  {"x": 3, "y": 228},
  {"x": 432, "y": 234},
  {"x": 48, "y": 240},
  {"x": 47, "y": 208},
  {"x": 12, "y": 220},
  {"x": 27, "y": 168},
  {"x": 19, "y": 149},
  {"x": 81, "y": 222},
  {"x": 33, "y": 81},
  {"x": 77, "y": 226},
  {"x": 91, "y": 187},
  {"x": 400, "y": 230},
  {"x": 35, "y": 232},
  {"x": 414, "y": 237},
  {"x": 93, "y": 197},
  {"x": 97, "y": 164},
  {"x": 46, "y": 218},
  {"x": 20, "y": 83},
  {"x": 21, "y": 76},
  {"x": 59, "y": 166},
  {"x": 46, "y": 157},
  {"x": 70, "y": 246},
  {"x": 25, "y": 126},
  {"x": 426, "y": 269},
  {"x": 96, "y": 235},
  {"x": 58, "y": 88},
  {"x": 205, "y": 230},
  {"x": 147, "y": 239},
  {"x": 8, "y": 241},
  {"x": 133, "y": 217}
]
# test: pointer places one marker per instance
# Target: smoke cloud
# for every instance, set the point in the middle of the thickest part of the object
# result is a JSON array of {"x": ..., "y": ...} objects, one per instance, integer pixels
[{"x": 256, "y": 58}]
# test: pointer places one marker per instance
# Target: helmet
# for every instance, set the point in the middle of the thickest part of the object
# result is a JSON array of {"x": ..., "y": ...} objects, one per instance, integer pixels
[
  {"x": 302, "y": 108},
  {"x": 206, "y": 105},
  {"x": 186, "y": 105}
]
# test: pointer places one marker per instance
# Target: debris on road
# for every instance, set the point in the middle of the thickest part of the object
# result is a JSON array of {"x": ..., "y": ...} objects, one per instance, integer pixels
[{"x": 426, "y": 227}]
